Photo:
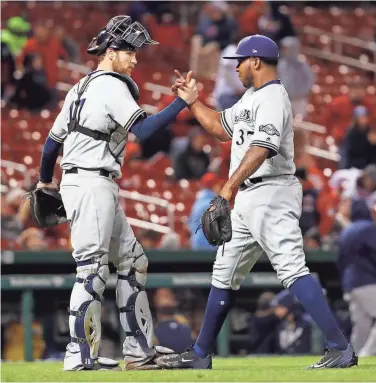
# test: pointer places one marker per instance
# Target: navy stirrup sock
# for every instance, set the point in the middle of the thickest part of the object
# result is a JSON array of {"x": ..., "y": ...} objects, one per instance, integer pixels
[
  {"x": 217, "y": 308},
  {"x": 309, "y": 293}
]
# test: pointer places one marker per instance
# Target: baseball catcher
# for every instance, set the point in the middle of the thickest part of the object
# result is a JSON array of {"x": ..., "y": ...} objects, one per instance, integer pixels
[{"x": 93, "y": 125}]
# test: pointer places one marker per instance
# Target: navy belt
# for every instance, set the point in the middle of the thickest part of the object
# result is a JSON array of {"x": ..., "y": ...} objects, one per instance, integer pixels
[
  {"x": 257, "y": 180},
  {"x": 254, "y": 181},
  {"x": 102, "y": 172}
]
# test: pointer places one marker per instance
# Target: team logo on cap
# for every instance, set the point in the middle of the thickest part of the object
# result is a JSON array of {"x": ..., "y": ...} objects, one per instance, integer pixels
[
  {"x": 269, "y": 129},
  {"x": 254, "y": 50}
]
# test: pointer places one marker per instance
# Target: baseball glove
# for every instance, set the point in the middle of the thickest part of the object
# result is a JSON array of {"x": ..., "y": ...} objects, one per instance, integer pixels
[
  {"x": 216, "y": 222},
  {"x": 46, "y": 207}
]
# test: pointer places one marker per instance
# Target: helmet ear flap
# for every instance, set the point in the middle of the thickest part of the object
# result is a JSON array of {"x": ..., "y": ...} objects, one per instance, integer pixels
[{"x": 99, "y": 44}]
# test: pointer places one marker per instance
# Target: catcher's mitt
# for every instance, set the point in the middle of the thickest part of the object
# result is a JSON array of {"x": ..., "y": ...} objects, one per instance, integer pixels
[
  {"x": 216, "y": 222},
  {"x": 46, "y": 206}
]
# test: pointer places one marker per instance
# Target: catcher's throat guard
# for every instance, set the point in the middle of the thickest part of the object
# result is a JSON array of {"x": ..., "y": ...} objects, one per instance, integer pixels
[{"x": 46, "y": 206}]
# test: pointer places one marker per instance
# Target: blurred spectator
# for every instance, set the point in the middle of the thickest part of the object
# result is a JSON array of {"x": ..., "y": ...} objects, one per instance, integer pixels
[
  {"x": 132, "y": 153},
  {"x": 274, "y": 24},
  {"x": 148, "y": 239},
  {"x": 15, "y": 35},
  {"x": 293, "y": 334},
  {"x": 340, "y": 112},
  {"x": 32, "y": 239},
  {"x": 344, "y": 182},
  {"x": 355, "y": 183},
  {"x": 170, "y": 241},
  {"x": 7, "y": 72},
  {"x": 327, "y": 202},
  {"x": 357, "y": 267},
  {"x": 136, "y": 10},
  {"x": 366, "y": 185},
  {"x": 11, "y": 224},
  {"x": 310, "y": 218},
  {"x": 56, "y": 331},
  {"x": 171, "y": 329},
  {"x": 359, "y": 148},
  {"x": 48, "y": 47},
  {"x": 215, "y": 31},
  {"x": 249, "y": 18},
  {"x": 32, "y": 90},
  {"x": 221, "y": 164},
  {"x": 296, "y": 75},
  {"x": 192, "y": 162},
  {"x": 71, "y": 48},
  {"x": 14, "y": 341},
  {"x": 228, "y": 88},
  {"x": 211, "y": 186},
  {"x": 262, "y": 324},
  {"x": 306, "y": 161},
  {"x": 280, "y": 325}
]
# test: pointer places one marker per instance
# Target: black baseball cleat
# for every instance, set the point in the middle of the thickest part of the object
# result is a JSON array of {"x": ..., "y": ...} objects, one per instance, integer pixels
[
  {"x": 187, "y": 359},
  {"x": 337, "y": 359}
]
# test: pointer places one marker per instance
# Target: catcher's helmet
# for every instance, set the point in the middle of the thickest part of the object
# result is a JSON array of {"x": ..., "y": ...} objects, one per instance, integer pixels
[{"x": 121, "y": 34}]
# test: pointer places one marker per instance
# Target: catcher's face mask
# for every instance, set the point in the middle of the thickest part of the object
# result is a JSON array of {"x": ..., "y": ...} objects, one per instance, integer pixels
[{"x": 134, "y": 34}]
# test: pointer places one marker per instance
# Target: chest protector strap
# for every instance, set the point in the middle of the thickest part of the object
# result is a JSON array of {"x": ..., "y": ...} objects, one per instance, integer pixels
[{"x": 74, "y": 125}]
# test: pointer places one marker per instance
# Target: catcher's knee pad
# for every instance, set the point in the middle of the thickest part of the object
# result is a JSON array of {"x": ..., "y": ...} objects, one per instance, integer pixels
[
  {"x": 132, "y": 300},
  {"x": 134, "y": 268},
  {"x": 85, "y": 310}
]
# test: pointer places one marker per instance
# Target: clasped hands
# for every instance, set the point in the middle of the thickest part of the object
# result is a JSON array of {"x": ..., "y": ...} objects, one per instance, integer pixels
[{"x": 185, "y": 88}]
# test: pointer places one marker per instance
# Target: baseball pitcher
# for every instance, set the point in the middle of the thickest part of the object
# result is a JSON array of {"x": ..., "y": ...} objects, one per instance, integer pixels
[
  {"x": 94, "y": 123},
  {"x": 265, "y": 218}
]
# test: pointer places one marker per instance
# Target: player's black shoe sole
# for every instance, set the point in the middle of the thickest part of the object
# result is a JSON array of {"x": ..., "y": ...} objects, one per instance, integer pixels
[
  {"x": 187, "y": 360},
  {"x": 337, "y": 359}
]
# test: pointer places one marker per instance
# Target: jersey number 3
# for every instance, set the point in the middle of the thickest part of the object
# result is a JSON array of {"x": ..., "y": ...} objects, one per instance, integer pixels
[{"x": 241, "y": 138}]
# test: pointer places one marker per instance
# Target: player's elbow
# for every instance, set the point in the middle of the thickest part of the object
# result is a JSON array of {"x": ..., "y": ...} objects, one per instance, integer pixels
[
  {"x": 220, "y": 133},
  {"x": 223, "y": 137}
]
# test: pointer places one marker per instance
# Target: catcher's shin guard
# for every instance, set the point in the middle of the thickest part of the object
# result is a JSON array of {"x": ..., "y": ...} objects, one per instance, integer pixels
[
  {"x": 132, "y": 300},
  {"x": 85, "y": 313}
]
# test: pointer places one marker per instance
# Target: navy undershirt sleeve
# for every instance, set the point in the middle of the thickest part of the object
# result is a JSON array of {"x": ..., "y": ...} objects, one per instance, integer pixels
[
  {"x": 147, "y": 127},
  {"x": 49, "y": 156}
]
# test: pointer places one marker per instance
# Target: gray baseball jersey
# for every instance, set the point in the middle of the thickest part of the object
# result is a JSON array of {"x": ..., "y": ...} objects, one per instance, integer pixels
[
  {"x": 265, "y": 218},
  {"x": 262, "y": 117},
  {"x": 106, "y": 102},
  {"x": 100, "y": 232}
]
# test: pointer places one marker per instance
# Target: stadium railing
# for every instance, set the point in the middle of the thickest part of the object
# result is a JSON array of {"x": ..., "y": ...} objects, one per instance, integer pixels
[{"x": 336, "y": 54}]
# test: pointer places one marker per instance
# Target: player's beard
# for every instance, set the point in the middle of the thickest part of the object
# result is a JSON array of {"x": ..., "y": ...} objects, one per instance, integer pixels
[
  {"x": 246, "y": 78},
  {"x": 119, "y": 67},
  {"x": 247, "y": 81}
]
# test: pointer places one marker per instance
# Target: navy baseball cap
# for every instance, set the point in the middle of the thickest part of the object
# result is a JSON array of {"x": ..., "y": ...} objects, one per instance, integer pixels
[
  {"x": 286, "y": 299},
  {"x": 256, "y": 46}
]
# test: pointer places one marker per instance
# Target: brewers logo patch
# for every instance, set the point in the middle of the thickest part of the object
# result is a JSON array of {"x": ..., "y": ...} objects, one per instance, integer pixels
[
  {"x": 244, "y": 115},
  {"x": 269, "y": 129}
]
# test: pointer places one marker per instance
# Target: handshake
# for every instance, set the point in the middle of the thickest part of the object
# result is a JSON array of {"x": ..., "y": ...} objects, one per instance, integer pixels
[{"x": 185, "y": 88}]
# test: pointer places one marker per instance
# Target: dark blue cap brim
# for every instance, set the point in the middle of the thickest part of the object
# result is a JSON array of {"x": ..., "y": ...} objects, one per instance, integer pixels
[{"x": 235, "y": 56}]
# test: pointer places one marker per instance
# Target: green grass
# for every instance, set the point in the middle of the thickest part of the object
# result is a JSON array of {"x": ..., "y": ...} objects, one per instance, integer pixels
[{"x": 255, "y": 369}]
